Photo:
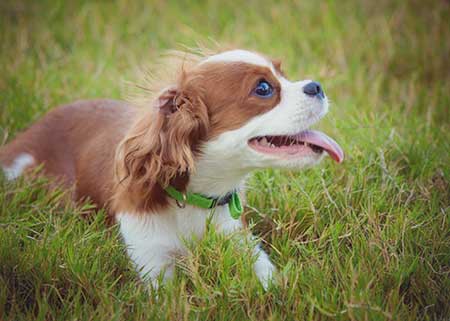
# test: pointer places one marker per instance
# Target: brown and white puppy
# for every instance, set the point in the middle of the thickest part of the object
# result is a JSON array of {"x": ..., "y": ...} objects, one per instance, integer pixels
[{"x": 224, "y": 116}]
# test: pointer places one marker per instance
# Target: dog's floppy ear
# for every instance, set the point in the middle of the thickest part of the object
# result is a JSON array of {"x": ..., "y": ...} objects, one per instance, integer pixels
[
  {"x": 159, "y": 148},
  {"x": 165, "y": 103}
]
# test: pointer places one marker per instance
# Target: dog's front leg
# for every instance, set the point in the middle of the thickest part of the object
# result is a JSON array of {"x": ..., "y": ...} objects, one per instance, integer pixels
[
  {"x": 151, "y": 241},
  {"x": 263, "y": 267}
]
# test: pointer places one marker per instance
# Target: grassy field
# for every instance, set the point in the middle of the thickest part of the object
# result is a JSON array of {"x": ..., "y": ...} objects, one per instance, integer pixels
[{"x": 365, "y": 240}]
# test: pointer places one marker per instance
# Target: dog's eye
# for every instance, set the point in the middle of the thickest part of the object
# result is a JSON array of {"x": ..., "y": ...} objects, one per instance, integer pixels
[{"x": 263, "y": 89}]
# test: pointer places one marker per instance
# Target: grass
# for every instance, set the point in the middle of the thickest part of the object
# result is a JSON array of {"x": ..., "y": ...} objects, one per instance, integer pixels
[{"x": 365, "y": 240}]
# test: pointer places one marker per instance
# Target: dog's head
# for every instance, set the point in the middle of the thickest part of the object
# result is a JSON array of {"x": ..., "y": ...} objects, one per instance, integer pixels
[{"x": 228, "y": 113}]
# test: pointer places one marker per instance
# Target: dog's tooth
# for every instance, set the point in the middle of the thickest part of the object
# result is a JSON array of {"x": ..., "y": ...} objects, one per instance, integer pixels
[
  {"x": 271, "y": 145},
  {"x": 264, "y": 141}
]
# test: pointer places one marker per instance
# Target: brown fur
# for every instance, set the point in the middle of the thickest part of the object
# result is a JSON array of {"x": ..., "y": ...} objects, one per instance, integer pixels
[
  {"x": 159, "y": 150},
  {"x": 226, "y": 89},
  {"x": 113, "y": 151},
  {"x": 76, "y": 144}
]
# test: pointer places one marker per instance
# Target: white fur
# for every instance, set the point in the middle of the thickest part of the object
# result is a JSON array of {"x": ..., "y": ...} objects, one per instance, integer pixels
[
  {"x": 223, "y": 166},
  {"x": 239, "y": 55},
  {"x": 18, "y": 166},
  {"x": 264, "y": 269},
  {"x": 153, "y": 240}
]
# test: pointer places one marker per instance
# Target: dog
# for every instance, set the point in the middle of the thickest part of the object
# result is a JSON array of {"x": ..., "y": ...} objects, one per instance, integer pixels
[{"x": 163, "y": 170}]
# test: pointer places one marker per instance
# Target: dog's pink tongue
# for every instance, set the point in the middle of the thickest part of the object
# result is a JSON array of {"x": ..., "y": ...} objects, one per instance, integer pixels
[{"x": 320, "y": 139}]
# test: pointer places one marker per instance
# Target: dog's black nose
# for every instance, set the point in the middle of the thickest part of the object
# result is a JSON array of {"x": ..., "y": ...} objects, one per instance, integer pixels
[{"x": 313, "y": 89}]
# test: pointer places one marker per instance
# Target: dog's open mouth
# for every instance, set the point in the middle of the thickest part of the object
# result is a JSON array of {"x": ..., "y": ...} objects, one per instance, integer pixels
[{"x": 302, "y": 144}]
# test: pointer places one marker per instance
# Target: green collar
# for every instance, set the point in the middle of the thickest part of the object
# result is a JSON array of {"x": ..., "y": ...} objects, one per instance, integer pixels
[{"x": 232, "y": 199}]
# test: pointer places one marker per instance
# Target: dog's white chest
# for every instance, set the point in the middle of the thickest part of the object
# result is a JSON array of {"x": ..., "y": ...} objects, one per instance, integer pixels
[{"x": 151, "y": 238}]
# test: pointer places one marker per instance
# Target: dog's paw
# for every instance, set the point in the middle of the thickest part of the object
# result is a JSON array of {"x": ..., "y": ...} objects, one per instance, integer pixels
[{"x": 265, "y": 271}]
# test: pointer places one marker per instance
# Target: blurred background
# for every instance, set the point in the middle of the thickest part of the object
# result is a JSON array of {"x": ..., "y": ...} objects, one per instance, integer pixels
[{"x": 368, "y": 239}]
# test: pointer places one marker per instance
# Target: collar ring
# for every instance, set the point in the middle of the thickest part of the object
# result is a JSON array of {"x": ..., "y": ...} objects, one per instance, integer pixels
[{"x": 183, "y": 203}]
